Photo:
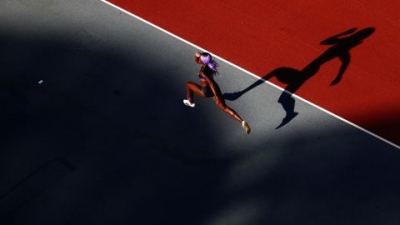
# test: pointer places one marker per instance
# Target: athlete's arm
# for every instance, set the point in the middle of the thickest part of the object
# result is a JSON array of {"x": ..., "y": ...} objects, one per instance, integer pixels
[{"x": 214, "y": 88}]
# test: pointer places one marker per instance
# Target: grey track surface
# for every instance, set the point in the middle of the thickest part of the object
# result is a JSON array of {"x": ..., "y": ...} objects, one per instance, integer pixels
[{"x": 106, "y": 140}]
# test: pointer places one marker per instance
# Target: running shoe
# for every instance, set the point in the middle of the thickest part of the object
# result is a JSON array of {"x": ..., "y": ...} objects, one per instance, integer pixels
[
  {"x": 246, "y": 127},
  {"x": 188, "y": 103}
]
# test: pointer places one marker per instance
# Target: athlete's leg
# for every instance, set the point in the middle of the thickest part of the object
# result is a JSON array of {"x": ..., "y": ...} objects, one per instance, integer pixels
[
  {"x": 193, "y": 88},
  {"x": 222, "y": 105}
]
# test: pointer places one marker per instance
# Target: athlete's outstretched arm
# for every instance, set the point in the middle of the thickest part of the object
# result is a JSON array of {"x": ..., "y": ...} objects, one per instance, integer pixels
[{"x": 214, "y": 88}]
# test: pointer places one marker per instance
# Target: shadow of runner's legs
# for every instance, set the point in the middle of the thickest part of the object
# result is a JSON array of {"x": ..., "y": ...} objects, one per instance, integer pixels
[
  {"x": 287, "y": 102},
  {"x": 340, "y": 48}
]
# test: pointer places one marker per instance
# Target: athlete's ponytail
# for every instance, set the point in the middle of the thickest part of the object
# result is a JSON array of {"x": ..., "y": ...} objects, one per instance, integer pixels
[{"x": 207, "y": 60}]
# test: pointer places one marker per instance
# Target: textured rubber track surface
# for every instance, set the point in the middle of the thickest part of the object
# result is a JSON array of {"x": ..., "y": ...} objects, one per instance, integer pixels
[
  {"x": 262, "y": 36},
  {"x": 105, "y": 139}
]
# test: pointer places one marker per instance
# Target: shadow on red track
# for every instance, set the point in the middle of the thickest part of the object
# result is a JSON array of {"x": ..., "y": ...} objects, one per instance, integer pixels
[{"x": 341, "y": 45}]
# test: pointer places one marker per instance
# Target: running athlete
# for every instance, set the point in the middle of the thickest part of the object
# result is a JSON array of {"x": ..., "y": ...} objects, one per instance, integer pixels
[{"x": 209, "y": 88}]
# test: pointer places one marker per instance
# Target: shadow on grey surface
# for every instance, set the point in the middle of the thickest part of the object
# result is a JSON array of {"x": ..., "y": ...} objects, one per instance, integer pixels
[
  {"x": 94, "y": 112},
  {"x": 101, "y": 111},
  {"x": 29, "y": 187},
  {"x": 341, "y": 45}
]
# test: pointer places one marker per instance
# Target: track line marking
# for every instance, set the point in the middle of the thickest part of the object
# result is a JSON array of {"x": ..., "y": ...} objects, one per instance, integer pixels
[{"x": 250, "y": 73}]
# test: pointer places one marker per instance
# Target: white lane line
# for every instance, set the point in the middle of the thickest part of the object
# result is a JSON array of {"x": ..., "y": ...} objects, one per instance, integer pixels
[{"x": 250, "y": 73}]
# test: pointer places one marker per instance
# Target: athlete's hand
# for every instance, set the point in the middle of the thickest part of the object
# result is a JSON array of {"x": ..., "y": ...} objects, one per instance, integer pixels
[
  {"x": 197, "y": 57},
  {"x": 217, "y": 100}
]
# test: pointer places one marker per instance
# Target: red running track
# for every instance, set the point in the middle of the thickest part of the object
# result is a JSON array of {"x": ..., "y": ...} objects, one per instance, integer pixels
[{"x": 261, "y": 36}]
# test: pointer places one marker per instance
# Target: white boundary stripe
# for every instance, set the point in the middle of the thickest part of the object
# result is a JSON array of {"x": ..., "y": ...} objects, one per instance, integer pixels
[{"x": 250, "y": 73}]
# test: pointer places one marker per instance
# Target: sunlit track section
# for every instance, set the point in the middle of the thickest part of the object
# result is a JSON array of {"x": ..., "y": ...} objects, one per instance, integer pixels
[{"x": 252, "y": 74}]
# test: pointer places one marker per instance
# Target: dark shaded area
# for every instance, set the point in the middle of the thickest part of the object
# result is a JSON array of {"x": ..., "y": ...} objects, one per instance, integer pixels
[
  {"x": 96, "y": 110},
  {"x": 341, "y": 45},
  {"x": 126, "y": 165},
  {"x": 32, "y": 185}
]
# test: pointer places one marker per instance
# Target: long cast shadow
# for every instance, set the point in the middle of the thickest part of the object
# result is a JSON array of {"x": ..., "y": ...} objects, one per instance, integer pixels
[{"x": 341, "y": 44}]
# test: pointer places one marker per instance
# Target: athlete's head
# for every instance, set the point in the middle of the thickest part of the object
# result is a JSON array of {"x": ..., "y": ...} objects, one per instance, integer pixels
[{"x": 206, "y": 59}]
